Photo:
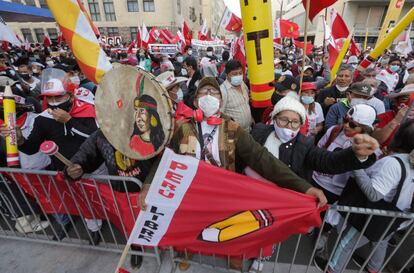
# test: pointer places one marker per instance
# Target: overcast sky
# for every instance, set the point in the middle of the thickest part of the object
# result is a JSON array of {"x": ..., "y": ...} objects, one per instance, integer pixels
[{"x": 234, "y": 5}]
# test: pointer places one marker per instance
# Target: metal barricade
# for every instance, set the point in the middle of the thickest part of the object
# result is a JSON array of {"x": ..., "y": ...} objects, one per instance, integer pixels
[
  {"x": 297, "y": 254},
  {"x": 42, "y": 206}
]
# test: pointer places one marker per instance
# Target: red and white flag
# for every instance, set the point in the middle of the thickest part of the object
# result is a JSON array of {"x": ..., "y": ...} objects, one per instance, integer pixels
[
  {"x": 231, "y": 22},
  {"x": 238, "y": 51},
  {"x": 154, "y": 35},
  {"x": 166, "y": 36},
  {"x": 139, "y": 39},
  {"x": 317, "y": 6},
  {"x": 46, "y": 41},
  {"x": 331, "y": 44},
  {"x": 340, "y": 30},
  {"x": 203, "y": 33},
  {"x": 145, "y": 36},
  {"x": 404, "y": 45},
  {"x": 230, "y": 215}
]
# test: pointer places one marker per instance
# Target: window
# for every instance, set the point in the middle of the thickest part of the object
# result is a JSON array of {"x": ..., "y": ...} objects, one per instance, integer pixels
[
  {"x": 113, "y": 31},
  {"x": 53, "y": 34},
  {"x": 149, "y": 5},
  {"x": 40, "y": 34},
  {"x": 179, "y": 6},
  {"x": 132, "y": 5},
  {"x": 94, "y": 10},
  {"x": 102, "y": 30},
  {"x": 43, "y": 4},
  {"x": 109, "y": 10},
  {"x": 27, "y": 34},
  {"x": 31, "y": 3},
  {"x": 134, "y": 32}
]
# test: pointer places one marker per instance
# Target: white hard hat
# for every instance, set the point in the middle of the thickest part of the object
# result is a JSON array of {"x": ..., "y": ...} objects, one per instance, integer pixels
[
  {"x": 53, "y": 87},
  {"x": 363, "y": 114}
]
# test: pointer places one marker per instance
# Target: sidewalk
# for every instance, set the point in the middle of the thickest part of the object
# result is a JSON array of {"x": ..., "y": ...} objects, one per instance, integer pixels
[{"x": 26, "y": 257}]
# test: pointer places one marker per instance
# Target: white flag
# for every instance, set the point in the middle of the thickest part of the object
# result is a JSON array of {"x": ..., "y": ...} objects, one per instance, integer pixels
[
  {"x": 404, "y": 47},
  {"x": 6, "y": 34},
  {"x": 144, "y": 33}
]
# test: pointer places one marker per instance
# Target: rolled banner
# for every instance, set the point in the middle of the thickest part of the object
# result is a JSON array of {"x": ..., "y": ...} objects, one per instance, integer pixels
[
  {"x": 388, "y": 39},
  {"x": 9, "y": 106},
  {"x": 258, "y": 39}
]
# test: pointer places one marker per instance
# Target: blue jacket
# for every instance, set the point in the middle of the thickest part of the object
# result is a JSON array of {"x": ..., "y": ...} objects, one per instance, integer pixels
[{"x": 336, "y": 113}]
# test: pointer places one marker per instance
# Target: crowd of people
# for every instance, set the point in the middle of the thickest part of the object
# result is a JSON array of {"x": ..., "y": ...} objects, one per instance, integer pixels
[{"x": 317, "y": 137}]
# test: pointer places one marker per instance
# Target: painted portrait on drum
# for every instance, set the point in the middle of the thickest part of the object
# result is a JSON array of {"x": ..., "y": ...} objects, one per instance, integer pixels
[
  {"x": 134, "y": 112},
  {"x": 148, "y": 134}
]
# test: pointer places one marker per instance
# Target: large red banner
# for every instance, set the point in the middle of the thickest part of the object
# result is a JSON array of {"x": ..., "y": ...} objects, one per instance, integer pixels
[{"x": 206, "y": 209}]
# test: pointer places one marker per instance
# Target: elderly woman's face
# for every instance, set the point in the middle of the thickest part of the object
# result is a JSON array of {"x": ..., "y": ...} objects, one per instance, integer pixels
[{"x": 288, "y": 119}]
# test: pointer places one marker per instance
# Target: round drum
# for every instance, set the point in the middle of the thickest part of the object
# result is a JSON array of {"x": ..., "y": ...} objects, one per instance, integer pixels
[{"x": 134, "y": 112}]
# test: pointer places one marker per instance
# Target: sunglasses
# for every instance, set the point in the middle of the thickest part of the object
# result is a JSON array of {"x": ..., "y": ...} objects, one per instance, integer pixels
[{"x": 352, "y": 124}]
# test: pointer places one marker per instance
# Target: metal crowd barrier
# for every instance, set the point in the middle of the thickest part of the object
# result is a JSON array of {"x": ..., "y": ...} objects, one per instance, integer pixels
[
  {"x": 296, "y": 255},
  {"x": 40, "y": 195}
]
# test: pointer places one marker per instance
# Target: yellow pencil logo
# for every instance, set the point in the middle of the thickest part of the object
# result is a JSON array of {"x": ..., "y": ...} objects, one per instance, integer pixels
[{"x": 238, "y": 225}]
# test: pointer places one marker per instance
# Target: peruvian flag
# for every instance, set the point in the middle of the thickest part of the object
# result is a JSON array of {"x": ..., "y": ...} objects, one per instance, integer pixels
[
  {"x": 285, "y": 28},
  {"x": 203, "y": 33},
  {"x": 139, "y": 39},
  {"x": 230, "y": 215},
  {"x": 238, "y": 51},
  {"x": 145, "y": 36},
  {"x": 341, "y": 31},
  {"x": 231, "y": 22},
  {"x": 333, "y": 48},
  {"x": 154, "y": 35},
  {"x": 166, "y": 36},
  {"x": 185, "y": 30},
  {"x": 316, "y": 6},
  {"x": 46, "y": 41},
  {"x": 181, "y": 41},
  {"x": 404, "y": 45}
]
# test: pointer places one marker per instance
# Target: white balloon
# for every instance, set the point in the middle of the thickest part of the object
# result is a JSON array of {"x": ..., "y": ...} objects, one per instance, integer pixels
[{"x": 234, "y": 6}]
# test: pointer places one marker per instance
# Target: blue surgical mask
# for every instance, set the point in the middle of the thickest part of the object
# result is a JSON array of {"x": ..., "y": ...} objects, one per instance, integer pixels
[
  {"x": 394, "y": 68},
  {"x": 278, "y": 71},
  {"x": 236, "y": 80},
  {"x": 307, "y": 99}
]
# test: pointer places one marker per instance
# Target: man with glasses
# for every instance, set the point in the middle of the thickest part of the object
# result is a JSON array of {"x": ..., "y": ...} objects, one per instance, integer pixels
[{"x": 216, "y": 139}]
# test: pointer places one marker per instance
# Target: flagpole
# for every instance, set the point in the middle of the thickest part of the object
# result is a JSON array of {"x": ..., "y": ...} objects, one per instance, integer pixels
[
  {"x": 305, "y": 45},
  {"x": 366, "y": 29},
  {"x": 222, "y": 16},
  {"x": 324, "y": 33},
  {"x": 281, "y": 9}
]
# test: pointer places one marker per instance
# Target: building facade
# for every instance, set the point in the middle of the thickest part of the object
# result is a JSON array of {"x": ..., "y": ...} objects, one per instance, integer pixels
[
  {"x": 363, "y": 15},
  {"x": 122, "y": 17}
]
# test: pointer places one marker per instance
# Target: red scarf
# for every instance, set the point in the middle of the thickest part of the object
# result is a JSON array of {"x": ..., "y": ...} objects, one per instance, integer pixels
[{"x": 80, "y": 109}]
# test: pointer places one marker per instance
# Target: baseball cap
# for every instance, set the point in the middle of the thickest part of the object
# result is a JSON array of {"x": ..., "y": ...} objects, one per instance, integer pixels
[
  {"x": 52, "y": 88},
  {"x": 362, "y": 89},
  {"x": 287, "y": 82},
  {"x": 363, "y": 114}
]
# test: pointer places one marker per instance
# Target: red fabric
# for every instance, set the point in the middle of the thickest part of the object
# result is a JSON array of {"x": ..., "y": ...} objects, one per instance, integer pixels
[
  {"x": 166, "y": 36},
  {"x": 383, "y": 120},
  {"x": 81, "y": 109},
  {"x": 183, "y": 111},
  {"x": 340, "y": 30},
  {"x": 46, "y": 41},
  {"x": 309, "y": 46},
  {"x": 209, "y": 201},
  {"x": 304, "y": 130},
  {"x": 140, "y": 146},
  {"x": 187, "y": 33},
  {"x": 130, "y": 47},
  {"x": 234, "y": 24},
  {"x": 239, "y": 52},
  {"x": 78, "y": 193},
  {"x": 154, "y": 35},
  {"x": 5, "y": 46},
  {"x": 289, "y": 29},
  {"x": 139, "y": 39},
  {"x": 316, "y": 6}
]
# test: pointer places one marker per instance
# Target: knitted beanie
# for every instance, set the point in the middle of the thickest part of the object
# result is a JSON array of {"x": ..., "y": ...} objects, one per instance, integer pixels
[{"x": 291, "y": 104}]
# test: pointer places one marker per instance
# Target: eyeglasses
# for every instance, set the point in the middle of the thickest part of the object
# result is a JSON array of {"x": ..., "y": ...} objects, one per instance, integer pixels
[
  {"x": 284, "y": 122},
  {"x": 352, "y": 124},
  {"x": 209, "y": 91}
]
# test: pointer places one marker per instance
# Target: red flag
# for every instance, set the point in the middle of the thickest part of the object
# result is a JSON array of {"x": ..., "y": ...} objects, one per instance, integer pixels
[
  {"x": 60, "y": 38},
  {"x": 187, "y": 33},
  {"x": 154, "y": 35},
  {"x": 46, "y": 41},
  {"x": 130, "y": 47},
  {"x": 238, "y": 52},
  {"x": 139, "y": 39},
  {"x": 5, "y": 46},
  {"x": 316, "y": 6},
  {"x": 231, "y": 22},
  {"x": 289, "y": 29},
  {"x": 230, "y": 215},
  {"x": 166, "y": 36},
  {"x": 309, "y": 46},
  {"x": 85, "y": 12},
  {"x": 340, "y": 30}
]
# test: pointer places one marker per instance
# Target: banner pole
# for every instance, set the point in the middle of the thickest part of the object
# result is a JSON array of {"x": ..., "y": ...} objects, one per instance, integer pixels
[
  {"x": 305, "y": 37},
  {"x": 123, "y": 257}
]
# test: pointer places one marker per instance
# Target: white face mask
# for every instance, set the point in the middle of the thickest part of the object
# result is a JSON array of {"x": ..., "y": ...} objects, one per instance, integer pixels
[
  {"x": 357, "y": 101},
  {"x": 180, "y": 95},
  {"x": 341, "y": 89},
  {"x": 184, "y": 72},
  {"x": 209, "y": 105},
  {"x": 285, "y": 134},
  {"x": 190, "y": 52},
  {"x": 209, "y": 53},
  {"x": 75, "y": 80},
  {"x": 180, "y": 59}
]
